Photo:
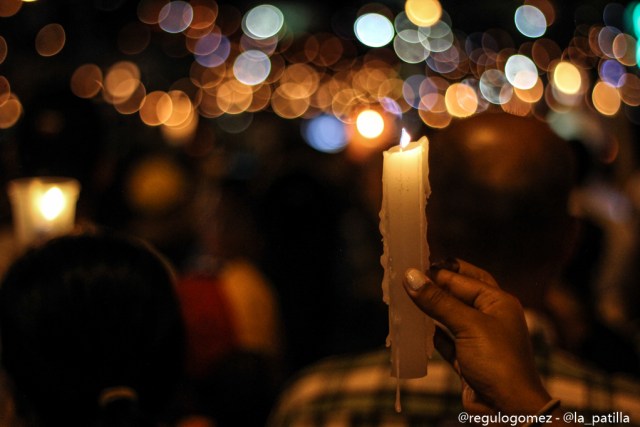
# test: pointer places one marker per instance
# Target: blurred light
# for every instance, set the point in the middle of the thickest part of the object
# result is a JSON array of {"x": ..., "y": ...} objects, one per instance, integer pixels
[
  {"x": 208, "y": 43},
  {"x": 605, "y": 99},
  {"x": 635, "y": 19},
  {"x": 630, "y": 89},
  {"x": 325, "y": 133},
  {"x": 530, "y": 21},
  {"x": 624, "y": 49},
  {"x": 50, "y": 40},
  {"x": 391, "y": 106},
  {"x": 521, "y": 72},
  {"x": 155, "y": 184},
  {"x": 9, "y": 7},
  {"x": 263, "y": 21},
  {"x": 52, "y": 203},
  {"x": 606, "y": 37},
  {"x": 611, "y": 71},
  {"x": 547, "y": 9},
  {"x": 494, "y": 87},
  {"x": 175, "y": 16},
  {"x": 234, "y": 97},
  {"x": 567, "y": 78},
  {"x": 216, "y": 57},
  {"x": 156, "y": 108},
  {"x": 423, "y": 13},
  {"x": 370, "y": 124},
  {"x": 235, "y": 123},
  {"x": 133, "y": 38},
  {"x": 252, "y": 67},
  {"x": 86, "y": 81},
  {"x": 10, "y": 112},
  {"x": 408, "y": 51},
  {"x": 4, "y": 50},
  {"x": 461, "y": 100},
  {"x": 373, "y": 30},
  {"x": 5, "y": 90},
  {"x": 531, "y": 95},
  {"x": 438, "y": 37}
]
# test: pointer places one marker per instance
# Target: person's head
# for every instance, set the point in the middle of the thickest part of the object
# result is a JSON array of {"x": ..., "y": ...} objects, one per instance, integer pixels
[
  {"x": 500, "y": 188},
  {"x": 84, "y": 314}
]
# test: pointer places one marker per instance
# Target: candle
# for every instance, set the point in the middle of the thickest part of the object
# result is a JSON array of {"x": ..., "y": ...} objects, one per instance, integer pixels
[
  {"x": 403, "y": 225},
  {"x": 42, "y": 207}
]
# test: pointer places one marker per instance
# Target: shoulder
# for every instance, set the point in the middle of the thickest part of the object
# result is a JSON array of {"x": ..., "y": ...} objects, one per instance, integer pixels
[
  {"x": 586, "y": 389},
  {"x": 359, "y": 389}
]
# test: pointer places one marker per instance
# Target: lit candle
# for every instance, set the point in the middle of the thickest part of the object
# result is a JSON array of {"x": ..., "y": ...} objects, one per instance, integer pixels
[
  {"x": 42, "y": 208},
  {"x": 403, "y": 224}
]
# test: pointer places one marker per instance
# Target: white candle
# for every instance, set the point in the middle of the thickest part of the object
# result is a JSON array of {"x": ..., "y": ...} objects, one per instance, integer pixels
[
  {"x": 403, "y": 224},
  {"x": 42, "y": 207}
]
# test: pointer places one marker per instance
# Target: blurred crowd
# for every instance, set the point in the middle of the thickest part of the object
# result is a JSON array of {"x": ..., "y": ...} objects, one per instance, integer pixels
[{"x": 276, "y": 246}]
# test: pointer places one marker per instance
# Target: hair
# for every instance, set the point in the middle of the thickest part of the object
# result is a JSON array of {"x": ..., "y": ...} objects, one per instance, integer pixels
[
  {"x": 500, "y": 190},
  {"x": 86, "y": 313}
]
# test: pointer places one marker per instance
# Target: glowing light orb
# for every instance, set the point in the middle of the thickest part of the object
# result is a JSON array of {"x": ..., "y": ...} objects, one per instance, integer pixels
[
  {"x": 252, "y": 67},
  {"x": 373, "y": 30},
  {"x": 530, "y": 21},
  {"x": 521, "y": 72},
  {"x": 606, "y": 98},
  {"x": 423, "y": 13},
  {"x": 370, "y": 124},
  {"x": 263, "y": 21},
  {"x": 325, "y": 133},
  {"x": 175, "y": 16},
  {"x": 567, "y": 78},
  {"x": 52, "y": 203}
]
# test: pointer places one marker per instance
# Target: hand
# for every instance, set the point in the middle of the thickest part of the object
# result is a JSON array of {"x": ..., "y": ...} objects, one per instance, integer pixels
[{"x": 487, "y": 341}]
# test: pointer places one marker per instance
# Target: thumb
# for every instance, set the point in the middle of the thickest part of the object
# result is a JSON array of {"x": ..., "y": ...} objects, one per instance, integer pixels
[{"x": 438, "y": 303}]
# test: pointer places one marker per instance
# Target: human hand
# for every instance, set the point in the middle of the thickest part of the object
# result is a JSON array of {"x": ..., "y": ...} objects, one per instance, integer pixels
[{"x": 487, "y": 342}]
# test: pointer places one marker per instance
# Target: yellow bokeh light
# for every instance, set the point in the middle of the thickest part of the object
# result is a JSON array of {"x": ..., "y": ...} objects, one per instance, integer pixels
[
  {"x": 423, "y": 13},
  {"x": 52, "y": 203},
  {"x": 567, "y": 78},
  {"x": 370, "y": 124}
]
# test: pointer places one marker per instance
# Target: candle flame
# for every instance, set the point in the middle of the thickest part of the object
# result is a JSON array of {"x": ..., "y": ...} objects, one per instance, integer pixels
[
  {"x": 405, "y": 138},
  {"x": 52, "y": 203}
]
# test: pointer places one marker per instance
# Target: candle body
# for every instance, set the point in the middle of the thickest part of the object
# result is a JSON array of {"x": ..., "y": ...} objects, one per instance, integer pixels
[{"x": 403, "y": 225}]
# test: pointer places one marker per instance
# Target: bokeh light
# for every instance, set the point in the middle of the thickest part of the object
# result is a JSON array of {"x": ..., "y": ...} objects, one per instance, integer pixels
[
  {"x": 567, "y": 78},
  {"x": 263, "y": 21},
  {"x": 605, "y": 99},
  {"x": 370, "y": 124},
  {"x": 423, "y": 13},
  {"x": 175, "y": 16},
  {"x": 252, "y": 67},
  {"x": 530, "y": 21},
  {"x": 374, "y": 30},
  {"x": 521, "y": 72},
  {"x": 325, "y": 133},
  {"x": 50, "y": 40}
]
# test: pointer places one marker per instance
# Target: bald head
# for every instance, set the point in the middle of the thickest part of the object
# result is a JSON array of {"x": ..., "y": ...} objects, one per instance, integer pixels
[{"x": 500, "y": 185}]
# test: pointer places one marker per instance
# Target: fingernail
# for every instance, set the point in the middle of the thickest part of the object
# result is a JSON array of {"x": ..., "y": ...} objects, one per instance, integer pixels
[
  {"x": 450, "y": 264},
  {"x": 416, "y": 279}
]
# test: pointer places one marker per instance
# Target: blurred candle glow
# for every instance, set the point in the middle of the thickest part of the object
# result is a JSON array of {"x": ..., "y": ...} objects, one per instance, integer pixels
[{"x": 42, "y": 208}]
